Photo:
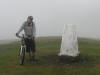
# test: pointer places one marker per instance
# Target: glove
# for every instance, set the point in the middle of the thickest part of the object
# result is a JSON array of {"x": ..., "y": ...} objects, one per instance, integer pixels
[{"x": 17, "y": 34}]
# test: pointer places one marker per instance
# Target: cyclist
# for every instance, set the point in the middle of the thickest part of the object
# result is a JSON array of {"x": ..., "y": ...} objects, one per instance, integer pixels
[{"x": 30, "y": 32}]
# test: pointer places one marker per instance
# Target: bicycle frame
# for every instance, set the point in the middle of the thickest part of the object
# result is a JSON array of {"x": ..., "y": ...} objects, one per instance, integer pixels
[{"x": 23, "y": 42}]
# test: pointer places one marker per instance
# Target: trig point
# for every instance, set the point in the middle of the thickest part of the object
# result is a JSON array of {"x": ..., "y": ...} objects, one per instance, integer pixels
[{"x": 69, "y": 45}]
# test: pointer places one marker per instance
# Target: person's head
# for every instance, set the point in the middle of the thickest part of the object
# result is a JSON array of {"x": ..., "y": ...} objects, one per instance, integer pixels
[{"x": 30, "y": 19}]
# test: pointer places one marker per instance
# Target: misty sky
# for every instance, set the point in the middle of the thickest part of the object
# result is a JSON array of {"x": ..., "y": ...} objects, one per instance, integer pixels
[{"x": 50, "y": 16}]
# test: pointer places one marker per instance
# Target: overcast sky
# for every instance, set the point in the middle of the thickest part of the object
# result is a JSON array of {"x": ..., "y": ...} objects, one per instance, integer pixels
[{"x": 50, "y": 16}]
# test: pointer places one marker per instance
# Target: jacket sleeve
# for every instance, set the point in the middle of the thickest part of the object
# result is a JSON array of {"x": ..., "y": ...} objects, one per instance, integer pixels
[
  {"x": 21, "y": 28},
  {"x": 34, "y": 30}
]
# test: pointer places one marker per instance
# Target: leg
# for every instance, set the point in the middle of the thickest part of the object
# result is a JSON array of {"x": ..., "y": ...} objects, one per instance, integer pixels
[
  {"x": 33, "y": 49},
  {"x": 29, "y": 55},
  {"x": 27, "y": 42},
  {"x": 33, "y": 55}
]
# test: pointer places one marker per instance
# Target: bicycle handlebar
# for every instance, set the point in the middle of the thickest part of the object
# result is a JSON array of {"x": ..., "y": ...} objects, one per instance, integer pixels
[
  {"x": 20, "y": 36},
  {"x": 23, "y": 36}
]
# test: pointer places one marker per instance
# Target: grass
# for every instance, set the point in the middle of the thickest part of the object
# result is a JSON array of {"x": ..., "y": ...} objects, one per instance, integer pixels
[{"x": 49, "y": 63}]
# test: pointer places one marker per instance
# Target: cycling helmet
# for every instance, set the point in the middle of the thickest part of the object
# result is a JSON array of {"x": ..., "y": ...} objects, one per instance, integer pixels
[{"x": 30, "y": 17}]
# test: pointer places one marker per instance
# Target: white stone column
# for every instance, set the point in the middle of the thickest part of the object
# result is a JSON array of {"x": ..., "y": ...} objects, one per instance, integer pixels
[{"x": 69, "y": 45}]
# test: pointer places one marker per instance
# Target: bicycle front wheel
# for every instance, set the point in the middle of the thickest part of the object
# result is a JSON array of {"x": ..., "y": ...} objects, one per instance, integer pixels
[{"x": 22, "y": 55}]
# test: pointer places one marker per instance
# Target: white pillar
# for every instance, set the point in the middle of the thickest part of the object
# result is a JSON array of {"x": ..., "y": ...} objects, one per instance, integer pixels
[{"x": 69, "y": 45}]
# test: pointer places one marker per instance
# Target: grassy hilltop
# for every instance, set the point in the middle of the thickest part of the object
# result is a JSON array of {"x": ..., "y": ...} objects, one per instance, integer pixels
[{"x": 49, "y": 63}]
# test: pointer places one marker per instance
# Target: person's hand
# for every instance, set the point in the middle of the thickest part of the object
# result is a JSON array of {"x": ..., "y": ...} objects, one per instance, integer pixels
[{"x": 17, "y": 34}]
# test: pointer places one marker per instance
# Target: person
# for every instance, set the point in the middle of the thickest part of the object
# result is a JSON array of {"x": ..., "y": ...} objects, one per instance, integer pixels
[{"x": 30, "y": 33}]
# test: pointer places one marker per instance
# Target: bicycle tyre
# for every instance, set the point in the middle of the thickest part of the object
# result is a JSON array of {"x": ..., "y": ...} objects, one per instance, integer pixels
[{"x": 22, "y": 56}]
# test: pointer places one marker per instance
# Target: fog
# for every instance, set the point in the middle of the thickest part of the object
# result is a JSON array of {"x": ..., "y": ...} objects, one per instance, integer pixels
[{"x": 50, "y": 16}]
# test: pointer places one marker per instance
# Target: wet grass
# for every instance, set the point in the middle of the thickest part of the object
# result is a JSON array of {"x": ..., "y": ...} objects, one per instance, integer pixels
[{"x": 50, "y": 63}]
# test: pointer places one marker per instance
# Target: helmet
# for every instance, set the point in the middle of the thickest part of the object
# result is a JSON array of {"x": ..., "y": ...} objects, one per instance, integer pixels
[{"x": 30, "y": 17}]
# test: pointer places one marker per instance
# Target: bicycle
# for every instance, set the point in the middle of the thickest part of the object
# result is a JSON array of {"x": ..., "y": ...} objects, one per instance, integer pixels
[{"x": 22, "y": 50}]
